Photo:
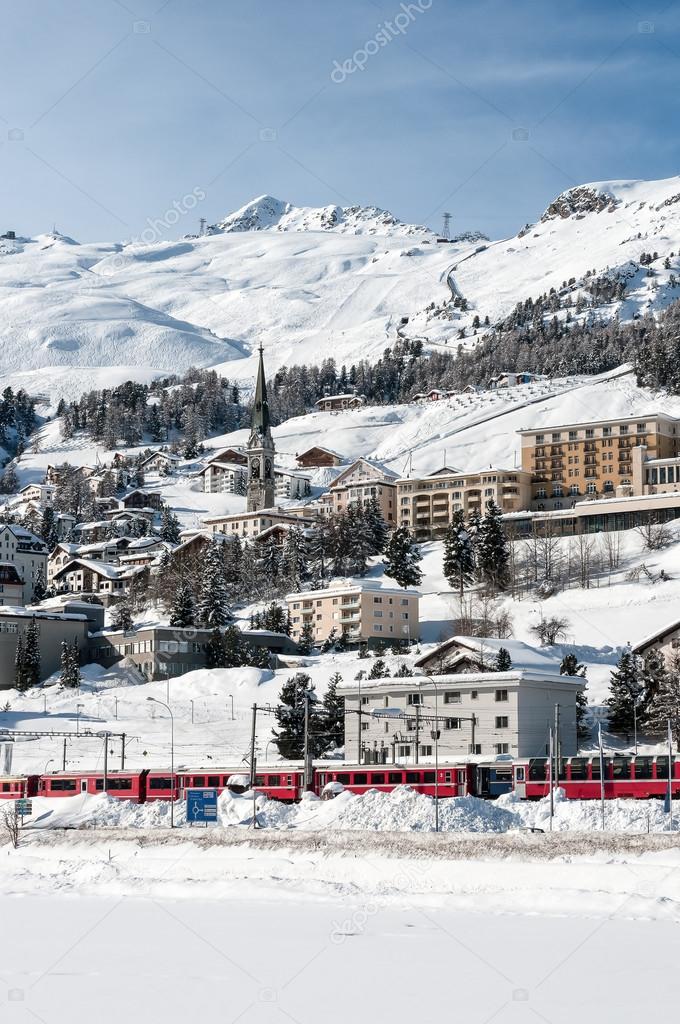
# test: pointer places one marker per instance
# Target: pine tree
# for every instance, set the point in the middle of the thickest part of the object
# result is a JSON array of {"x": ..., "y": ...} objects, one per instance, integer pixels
[
  {"x": 503, "y": 660},
  {"x": 376, "y": 525},
  {"x": 70, "y": 668},
  {"x": 182, "y": 605},
  {"x": 32, "y": 653},
  {"x": 652, "y": 678},
  {"x": 330, "y": 641},
  {"x": 401, "y": 559},
  {"x": 459, "y": 556},
  {"x": 319, "y": 553},
  {"x": 290, "y": 716},
  {"x": 665, "y": 704},
  {"x": 334, "y": 713},
  {"x": 625, "y": 692},
  {"x": 20, "y": 672},
  {"x": 213, "y": 609},
  {"x": 121, "y": 616},
  {"x": 294, "y": 570},
  {"x": 48, "y": 528},
  {"x": 39, "y": 586},
  {"x": 215, "y": 650},
  {"x": 170, "y": 528},
  {"x": 378, "y": 670},
  {"x": 492, "y": 549},
  {"x": 306, "y": 641},
  {"x": 571, "y": 666}
]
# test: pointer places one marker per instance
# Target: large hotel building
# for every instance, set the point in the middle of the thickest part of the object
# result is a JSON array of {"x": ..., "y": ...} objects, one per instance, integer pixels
[{"x": 594, "y": 460}]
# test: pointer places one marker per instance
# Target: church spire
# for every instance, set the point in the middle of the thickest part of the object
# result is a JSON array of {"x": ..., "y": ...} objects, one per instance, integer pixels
[
  {"x": 260, "y": 423},
  {"x": 261, "y": 489}
]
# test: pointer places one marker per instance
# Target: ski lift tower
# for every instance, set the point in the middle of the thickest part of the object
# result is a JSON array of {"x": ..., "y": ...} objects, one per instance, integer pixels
[{"x": 446, "y": 227}]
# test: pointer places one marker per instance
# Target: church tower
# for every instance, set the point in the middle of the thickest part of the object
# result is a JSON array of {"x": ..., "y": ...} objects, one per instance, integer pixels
[{"x": 260, "y": 450}]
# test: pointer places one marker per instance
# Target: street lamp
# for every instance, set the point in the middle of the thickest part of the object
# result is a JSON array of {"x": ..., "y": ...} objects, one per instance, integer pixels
[
  {"x": 47, "y": 763},
  {"x": 155, "y": 700},
  {"x": 435, "y": 737},
  {"x": 78, "y": 707}
]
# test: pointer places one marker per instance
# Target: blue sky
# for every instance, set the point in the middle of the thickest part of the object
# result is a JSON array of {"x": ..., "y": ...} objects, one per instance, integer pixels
[{"x": 113, "y": 110}]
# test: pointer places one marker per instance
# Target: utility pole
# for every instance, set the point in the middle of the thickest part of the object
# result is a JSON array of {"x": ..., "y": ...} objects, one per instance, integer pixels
[
  {"x": 122, "y": 751},
  {"x": 63, "y": 760},
  {"x": 551, "y": 778},
  {"x": 306, "y": 778},
  {"x": 359, "y": 728},
  {"x": 417, "y": 730},
  {"x": 558, "y": 745},
  {"x": 252, "y": 746},
  {"x": 105, "y": 781}
]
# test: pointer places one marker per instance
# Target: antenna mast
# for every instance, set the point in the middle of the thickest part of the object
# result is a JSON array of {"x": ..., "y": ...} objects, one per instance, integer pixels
[{"x": 446, "y": 227}]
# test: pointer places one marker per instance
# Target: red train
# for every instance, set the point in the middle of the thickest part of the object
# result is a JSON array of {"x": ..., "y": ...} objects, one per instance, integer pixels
[{"x": 639, "y": 777}]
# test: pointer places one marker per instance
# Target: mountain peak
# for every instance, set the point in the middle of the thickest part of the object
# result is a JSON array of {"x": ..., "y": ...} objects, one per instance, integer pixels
[{"x": 266, "y": 213}]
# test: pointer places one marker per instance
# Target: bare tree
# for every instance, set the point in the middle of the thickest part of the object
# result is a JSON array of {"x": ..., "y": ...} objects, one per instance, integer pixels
[
  {"x": 655, "y": 535},
  {"x": 611, "y": 550},
  {"x": 550, "y": 630},
  {"x": 582, "y": 557},
  {"x": 9, "y": 824}
]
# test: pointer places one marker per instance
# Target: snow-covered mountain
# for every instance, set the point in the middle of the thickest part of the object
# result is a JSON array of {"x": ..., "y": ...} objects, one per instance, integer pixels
[{"x": 312, "y": 283}]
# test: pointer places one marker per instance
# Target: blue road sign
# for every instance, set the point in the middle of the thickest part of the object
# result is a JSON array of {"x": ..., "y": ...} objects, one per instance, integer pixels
[
  {"x": 201, "y": 805},
  {"x": 24, "y": 808}
]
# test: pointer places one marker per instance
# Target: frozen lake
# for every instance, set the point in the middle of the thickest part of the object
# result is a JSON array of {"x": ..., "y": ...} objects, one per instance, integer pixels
[{"x": 67, "y": 959}]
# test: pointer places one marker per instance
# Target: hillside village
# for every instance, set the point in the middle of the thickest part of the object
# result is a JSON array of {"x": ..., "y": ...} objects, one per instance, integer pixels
[{"x": 318, "y": 556}]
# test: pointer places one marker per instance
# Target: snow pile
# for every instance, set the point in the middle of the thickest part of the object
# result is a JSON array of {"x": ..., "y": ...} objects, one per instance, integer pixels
[
  {"x": 102, "y": 811},
  {"x": 405, "y": 810},
  {"x": 586, "y": 815}
]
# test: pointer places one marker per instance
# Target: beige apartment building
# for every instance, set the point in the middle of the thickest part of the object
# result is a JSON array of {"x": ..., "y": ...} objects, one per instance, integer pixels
[
  {"x": 248, "y": 525},
  {"x": 363, "y": 610},
  {"x": 426, "y": 504},
  {"x": 364, "y": 480},
  {"x": 592, "y": 460}
]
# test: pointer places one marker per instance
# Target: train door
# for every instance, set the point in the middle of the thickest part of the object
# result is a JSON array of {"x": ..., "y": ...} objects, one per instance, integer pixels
[
  {"x": 492, "y": 782},
  {"x": 83, "y": 785},
  {"x": 520, "y": 781}
]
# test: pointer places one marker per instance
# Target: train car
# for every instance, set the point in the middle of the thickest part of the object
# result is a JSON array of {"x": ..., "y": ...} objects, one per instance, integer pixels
[
  {"x": 279, "y": 782},
  {"x": 633, "y": 777},
  {"x": 451, "y": 780},
  {"x": 162, "y": 785},
  {"x": 123, "y": 785},
  {"x": 18, "y": 787}
]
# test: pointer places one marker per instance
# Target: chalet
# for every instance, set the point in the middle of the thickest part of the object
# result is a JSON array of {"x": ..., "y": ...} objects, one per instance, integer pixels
[
  {"x": 142, "y": 500},
  {"x": 433, "y": 395},
  {"x": 464, "y": 654},
  {"x": 290, "y": 485},
  {"x": 511, "y": 379},
  {"x": 160, "y": 462},
  {"x": 666, "y": 641},
  {"x": 11, "y": 585},
  {"x": 317, "y": 456},
  {"x": 248, "y": 525},
  {"x": 87, "y": 576},
  {"x": 363, "y": 480},
  {"x": 236, "y": 456},
  {"x": 339, "y": 403},
  {"x": 41, "y": 493}
]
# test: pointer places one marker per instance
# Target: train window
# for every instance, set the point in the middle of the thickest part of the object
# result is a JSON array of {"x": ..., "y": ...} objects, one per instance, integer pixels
[
  {"x": 360, "y": 778},
  {"x": 537, "y": 771},
  {"x": 343, "y": 777},
  {"x": 163, "y": 782},
  {"x": 274, "y": 780},
  {"x": 579, "y": 768},
  {"x": 118, "y": 784},
  {"x": 63, "y": 785},
  {"x": 621, "y": 768},
  {"x": 395, "y": 778},
  {"x": 260, "y": 780},
  {"x": 461, "y": 776},
  {"x": 643, "y": 767},
  {"x": 662, "y": 767},
  {"x": 213, "y": 780},
  {"x": 5, "y": 787},
  {"x": 378, "y": 778},
  {"x": 595, "y": 768},
  {"x": 413, "y": 776},
  {"x": 519, "y": 774},
  {"x": 428, "y": 776},
  {"x": 447, "y": 776},
  {"x": 289, "y": 780},
  {"x": 199, "y": 780},
  {"x": 99, "y": 784}
]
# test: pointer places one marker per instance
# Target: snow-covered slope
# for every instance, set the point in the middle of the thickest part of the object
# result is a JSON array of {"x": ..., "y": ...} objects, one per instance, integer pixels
[{"x": 312, "y": 283}]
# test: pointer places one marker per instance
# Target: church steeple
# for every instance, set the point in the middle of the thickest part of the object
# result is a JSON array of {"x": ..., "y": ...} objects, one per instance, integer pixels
[
  {"x": 260, "y": 451},
  {"x": 260, "y": 422}
]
